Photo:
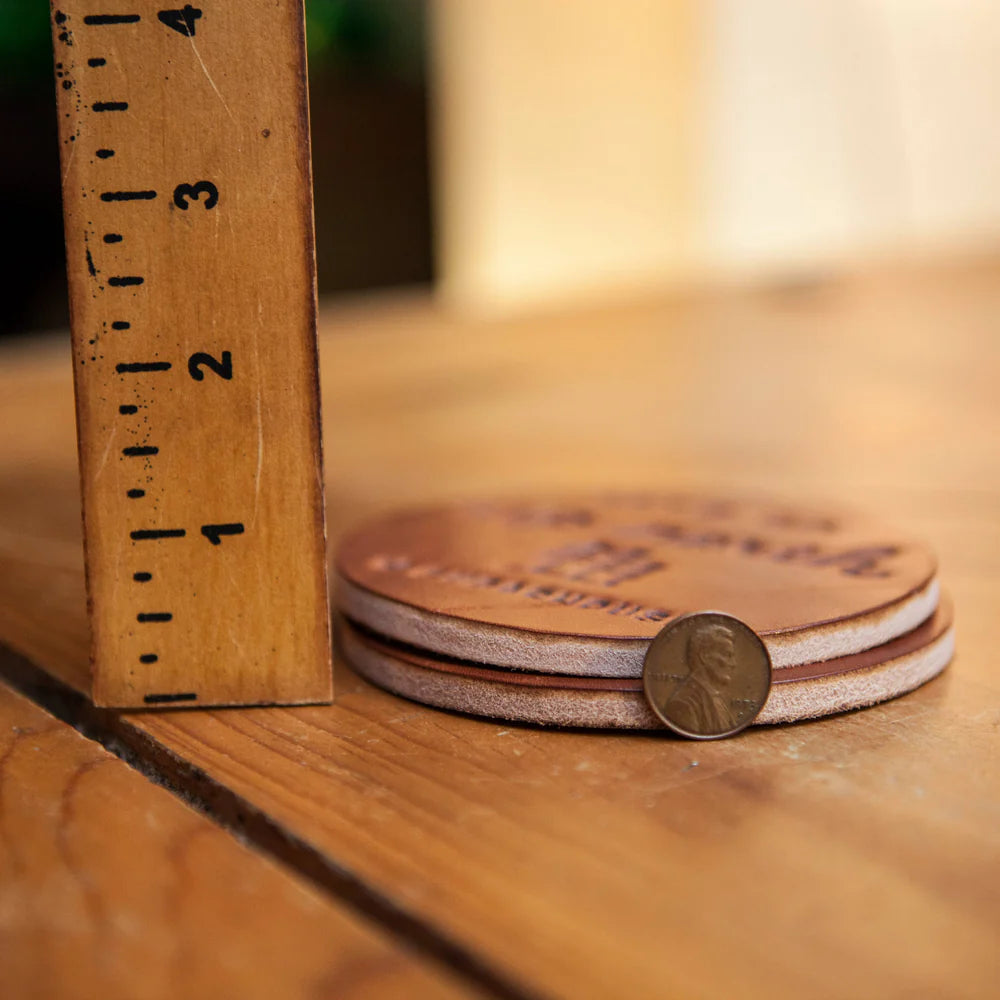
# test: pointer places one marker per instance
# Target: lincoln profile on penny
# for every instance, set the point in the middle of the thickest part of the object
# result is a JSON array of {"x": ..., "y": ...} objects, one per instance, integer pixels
[{"x": 699, "y": 703}]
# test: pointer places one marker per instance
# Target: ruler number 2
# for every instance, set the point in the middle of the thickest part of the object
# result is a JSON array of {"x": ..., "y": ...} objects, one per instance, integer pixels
[{"x": 223, "y": 368}]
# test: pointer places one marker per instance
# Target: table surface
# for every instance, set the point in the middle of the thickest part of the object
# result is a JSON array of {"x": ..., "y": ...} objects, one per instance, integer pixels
[{"x": 379, "y": 848}]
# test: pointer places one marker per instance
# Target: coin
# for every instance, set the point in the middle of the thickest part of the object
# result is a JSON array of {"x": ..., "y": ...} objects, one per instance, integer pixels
[{"x": 707, "y": 675}]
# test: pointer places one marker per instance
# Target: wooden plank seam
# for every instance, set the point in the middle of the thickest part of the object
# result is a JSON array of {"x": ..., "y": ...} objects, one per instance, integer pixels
[{"x": 251, "y": 825}]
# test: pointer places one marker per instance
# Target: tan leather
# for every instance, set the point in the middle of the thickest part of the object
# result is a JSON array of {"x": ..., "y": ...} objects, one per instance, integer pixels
[
  {"x": 609, "y": 703},
  {"x": 617, "y": 567},
  {"x": 924, "y": 635}
]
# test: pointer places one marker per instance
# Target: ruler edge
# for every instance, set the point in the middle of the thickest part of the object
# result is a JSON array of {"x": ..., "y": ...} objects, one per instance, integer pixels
[{"x": 76, "y": 284}]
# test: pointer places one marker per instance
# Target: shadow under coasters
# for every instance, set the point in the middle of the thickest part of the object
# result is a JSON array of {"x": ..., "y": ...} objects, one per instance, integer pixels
[{"x": 543, "y": 610}]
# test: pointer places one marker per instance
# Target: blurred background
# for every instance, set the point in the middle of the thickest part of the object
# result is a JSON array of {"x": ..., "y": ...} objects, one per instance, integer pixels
[{"x": 517, "y": 154}]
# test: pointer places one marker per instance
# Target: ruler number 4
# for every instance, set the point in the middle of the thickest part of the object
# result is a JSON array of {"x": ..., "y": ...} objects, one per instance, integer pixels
[{"x": 182, "y": 21}]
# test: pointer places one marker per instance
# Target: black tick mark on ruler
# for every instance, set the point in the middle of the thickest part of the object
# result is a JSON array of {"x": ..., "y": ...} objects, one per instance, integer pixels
[
  {"x": 112, "y": 237},
  {"x": 110, "y": 105},
  {"x": 104, "y": 154},
  {"x": 120, "y": 324},
  {"x": 128, "y": 409},
  {"x": 154, "y": 616},
  {"x": 143, "y": 366},
  {"x": 135, "y": 494},
  {"x": 97, "y": 61},
  {"x": 144, "y": 533},
  {"x": 148, "y": 658},
  {"x": 137, "y": 451},
  {"x": 125, "y": 195},
  {"x": 101, "y": 19},
  {"x": 162, "y": 699},
  {"x": 142, "y": 577},
  {"x": 120, "y": 281}
]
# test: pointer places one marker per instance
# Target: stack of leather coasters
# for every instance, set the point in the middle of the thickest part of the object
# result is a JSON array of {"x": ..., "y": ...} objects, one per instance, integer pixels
[{"x": 546, "y": 611}]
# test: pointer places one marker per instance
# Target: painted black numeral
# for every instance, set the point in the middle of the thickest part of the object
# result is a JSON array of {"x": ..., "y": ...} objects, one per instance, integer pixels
[
  {"x": 214, "y": 532},
  {"x": 184, "y": 191},
  {"x": 182, "y": 21},
  {"x": 223, "y": 368}
]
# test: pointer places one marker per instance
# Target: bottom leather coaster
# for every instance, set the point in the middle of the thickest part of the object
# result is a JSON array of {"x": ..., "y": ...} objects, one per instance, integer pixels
[{"x": 802, "y": 692}]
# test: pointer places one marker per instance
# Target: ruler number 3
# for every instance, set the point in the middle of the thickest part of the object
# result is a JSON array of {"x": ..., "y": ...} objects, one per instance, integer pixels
[{"x": 193, "y": 191}]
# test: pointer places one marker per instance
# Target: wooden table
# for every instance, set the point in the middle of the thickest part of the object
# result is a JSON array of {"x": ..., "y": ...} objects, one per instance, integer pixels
[{"x": 378, "y": 848}]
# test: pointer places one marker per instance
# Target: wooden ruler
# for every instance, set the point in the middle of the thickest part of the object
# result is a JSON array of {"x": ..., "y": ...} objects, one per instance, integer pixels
[{"x": 188, "y": 207}]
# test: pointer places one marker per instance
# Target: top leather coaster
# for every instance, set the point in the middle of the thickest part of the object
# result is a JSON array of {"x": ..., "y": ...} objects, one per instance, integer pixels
[{"x": 580, "y": 585}]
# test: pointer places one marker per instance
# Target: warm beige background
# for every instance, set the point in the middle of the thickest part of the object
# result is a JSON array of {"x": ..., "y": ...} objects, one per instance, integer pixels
[{"x": 587, "y": 149}]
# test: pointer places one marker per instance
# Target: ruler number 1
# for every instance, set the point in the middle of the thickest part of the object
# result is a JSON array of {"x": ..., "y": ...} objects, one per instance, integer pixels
[{"x": 215, "y": 532}]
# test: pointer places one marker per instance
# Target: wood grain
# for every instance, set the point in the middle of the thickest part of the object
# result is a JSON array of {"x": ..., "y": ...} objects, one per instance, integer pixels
[
  {"x": 111, "y": 887},
  {"x": 854, "y": 856},
  {"x": 188, "y": 207}
]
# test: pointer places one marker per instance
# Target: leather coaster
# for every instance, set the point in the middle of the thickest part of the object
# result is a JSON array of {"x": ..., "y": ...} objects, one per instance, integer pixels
[
  {"x": 802, "y": 692},
  {"x": 581, "y": 585}
]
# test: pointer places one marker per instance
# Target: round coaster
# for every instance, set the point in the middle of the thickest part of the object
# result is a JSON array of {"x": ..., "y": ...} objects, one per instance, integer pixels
[
  {"x": 802, "y": 692},
  {"x": 581, "y": 585}
]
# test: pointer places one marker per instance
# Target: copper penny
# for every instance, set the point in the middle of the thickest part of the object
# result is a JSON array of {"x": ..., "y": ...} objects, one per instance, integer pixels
[{"x": 707, "y": 675}]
